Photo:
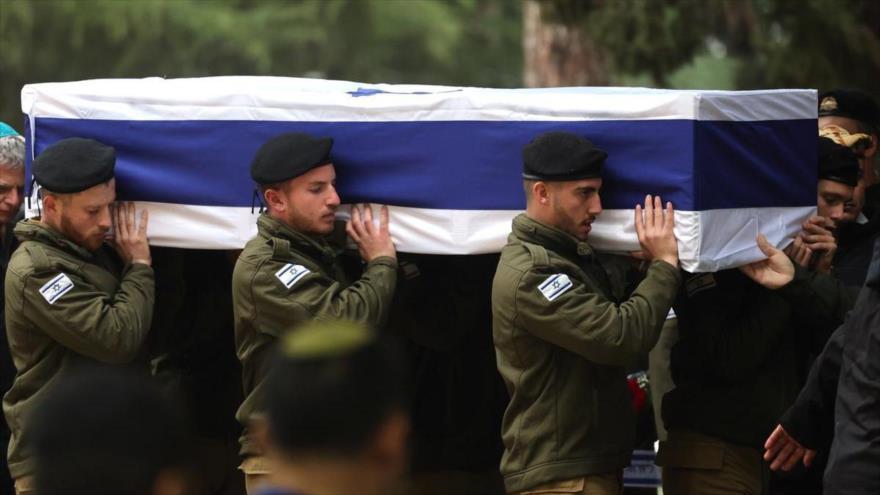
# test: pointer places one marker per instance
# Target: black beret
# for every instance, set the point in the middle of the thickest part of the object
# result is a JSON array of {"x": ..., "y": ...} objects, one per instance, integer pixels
[
  {"x": 562, "y": 156},
  {"x": 289, "y": 155},
  {"x": 850, "y": 103},
  {"x": 74, "y": 164},
  {"x": 837, "y": 163}
]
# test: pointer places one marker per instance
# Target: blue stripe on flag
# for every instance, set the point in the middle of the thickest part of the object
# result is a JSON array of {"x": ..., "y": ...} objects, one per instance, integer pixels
[{"x": 467, "y": 165}]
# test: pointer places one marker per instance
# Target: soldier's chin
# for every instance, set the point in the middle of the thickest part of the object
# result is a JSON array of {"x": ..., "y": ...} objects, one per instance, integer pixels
[
  {"x": 94, "y": 242},
  {"x": 326, "y": 227}
]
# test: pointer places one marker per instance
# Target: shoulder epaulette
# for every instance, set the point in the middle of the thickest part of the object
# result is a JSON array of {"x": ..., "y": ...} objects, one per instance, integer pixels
[
  {"x": 539, "y": 254},
  {"x": 280, "y": 248},
  {"x": 39, "y": 258}
]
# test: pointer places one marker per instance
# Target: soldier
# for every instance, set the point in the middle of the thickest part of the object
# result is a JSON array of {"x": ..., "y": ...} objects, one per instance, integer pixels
[
  {"x": 737, "y": 366},
  {"x": 816, "y": 245},
  {"x": 289, "y": 273},
  {"x": 335, "y": 412},
  {"x": 70, "y": 298},
  {"x": 810, "y": 419},
  {"x": 561, "y": 338},
  {"x": 857, "y": 113}
]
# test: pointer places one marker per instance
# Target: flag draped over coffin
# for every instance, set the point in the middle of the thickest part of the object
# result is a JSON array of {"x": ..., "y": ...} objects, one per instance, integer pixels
[{"x": 448, "y": 160}]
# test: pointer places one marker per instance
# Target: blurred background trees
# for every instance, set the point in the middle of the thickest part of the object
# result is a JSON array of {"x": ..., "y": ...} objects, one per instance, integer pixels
[{"x": 711, "y": 44}]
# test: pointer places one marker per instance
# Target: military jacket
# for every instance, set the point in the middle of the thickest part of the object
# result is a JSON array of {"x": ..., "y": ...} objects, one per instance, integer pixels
[
  {"x": 284, "y": 278},
  {"x": 66, "y": 306},
  {"x": 561, "y": 343}
]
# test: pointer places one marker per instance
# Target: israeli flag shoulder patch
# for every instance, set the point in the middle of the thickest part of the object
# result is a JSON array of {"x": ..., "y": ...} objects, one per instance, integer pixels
[
  {"x": 55, "y": 288},
  {"x": 290, "y": 274},
  {"x": 554, "y": 286}
]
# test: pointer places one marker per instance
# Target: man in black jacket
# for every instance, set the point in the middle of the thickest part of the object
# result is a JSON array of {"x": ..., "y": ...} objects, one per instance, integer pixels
[
  {"x": 842, "y": 391},
  {"x": 735, "y": 369}
]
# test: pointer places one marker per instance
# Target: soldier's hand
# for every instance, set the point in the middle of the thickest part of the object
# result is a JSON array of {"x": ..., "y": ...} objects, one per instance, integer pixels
[
  {"x": 817, "y": 235},
  {"x": 130, "y": 237},
  {"x": 783, "y": 451},
  {"x": 654, "y": 228},
  {"x": 372, "y": 241},
  {"x": 773, "y": 272},
  {"x": 799, "y": 252}
]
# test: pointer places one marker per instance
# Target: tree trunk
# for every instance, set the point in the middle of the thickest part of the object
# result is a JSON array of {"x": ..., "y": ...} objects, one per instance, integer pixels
[{"x": 559, "y": 53}]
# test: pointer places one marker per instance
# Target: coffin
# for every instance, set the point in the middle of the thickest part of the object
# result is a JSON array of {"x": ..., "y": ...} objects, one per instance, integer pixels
[{"x": 448, "y": 159}]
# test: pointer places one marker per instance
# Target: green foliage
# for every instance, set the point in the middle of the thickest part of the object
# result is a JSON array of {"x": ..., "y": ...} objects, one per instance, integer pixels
[
  {"x": 763, "y": 43},
  {"x": 653, "y": 36},
  {"x": 815, "y": 43},
  {"x": 456, "y": 42},
  {"x": 730, "y": 44}
]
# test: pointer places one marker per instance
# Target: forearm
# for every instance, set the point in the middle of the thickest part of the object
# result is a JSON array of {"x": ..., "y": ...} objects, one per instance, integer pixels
[
  {"x": 368, "y": 299},
  {"x": 821, "y": 300}
]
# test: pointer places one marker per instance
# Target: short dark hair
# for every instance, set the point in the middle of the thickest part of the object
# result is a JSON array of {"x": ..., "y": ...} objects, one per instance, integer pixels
[
  {"x": 332, "y": 404},
  {"x": 527, "y": 187},
  {"x": 104, "y": 429}
]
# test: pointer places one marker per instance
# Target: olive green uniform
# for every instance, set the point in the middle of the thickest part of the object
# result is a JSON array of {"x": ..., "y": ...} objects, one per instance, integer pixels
[
  {"x": 284, "y": 278},
  {"x": 739, "y": 363},
  {"x": 562, "y": 341},
  {"x": 66, "y": 306}
]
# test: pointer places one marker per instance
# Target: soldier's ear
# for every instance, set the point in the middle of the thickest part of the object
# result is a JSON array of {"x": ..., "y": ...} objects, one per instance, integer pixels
[
  {"x": 50, "y": 203},
  {"x": 541, "y": 192},
  {"x": 274, "y": 200}
]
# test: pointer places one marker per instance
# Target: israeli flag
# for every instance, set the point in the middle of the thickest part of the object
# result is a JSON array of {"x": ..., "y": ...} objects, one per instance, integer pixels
[{"x": 446, "y": 159}]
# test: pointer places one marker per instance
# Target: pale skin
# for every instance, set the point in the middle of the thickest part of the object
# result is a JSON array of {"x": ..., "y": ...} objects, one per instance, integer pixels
[
  {"x": 782, "y": 451},
  {"x": 773, "y": 272},
  {"x": 572, "y": 206},
  {"x": 816, "y": 237},
  {"x": 867, "y": 174},
  {"x": 308, "y": 204},
  {"x": 372, "y": 241},
  {"x": 86, "y": 217},
  {"x": 11, "y": 192}
]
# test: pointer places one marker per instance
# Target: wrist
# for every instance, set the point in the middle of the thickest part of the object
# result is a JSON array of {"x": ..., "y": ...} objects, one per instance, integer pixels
[
  {"x": 142, "y": 261},
  {"x": 671, "y": 259},
  {"x": 383, "y": 255}
]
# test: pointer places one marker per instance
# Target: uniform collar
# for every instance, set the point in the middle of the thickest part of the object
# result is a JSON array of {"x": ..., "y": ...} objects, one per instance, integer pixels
[
  {"x": 33, "y": 230},
  {"x": 531, "y": 230},
  {"x": 317, "y": 246}
]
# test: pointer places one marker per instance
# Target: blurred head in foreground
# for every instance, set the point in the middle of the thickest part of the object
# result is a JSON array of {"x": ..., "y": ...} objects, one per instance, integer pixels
[
  {"x": 108, "y": 431},
  {"x": 335, "y": 415}
]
